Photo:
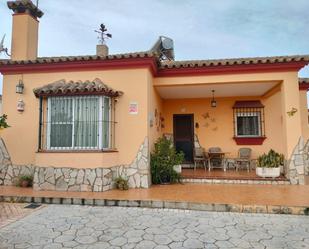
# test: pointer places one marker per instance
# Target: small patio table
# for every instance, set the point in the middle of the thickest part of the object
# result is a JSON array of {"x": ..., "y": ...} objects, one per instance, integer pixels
[{"x": 221, "y": 155}]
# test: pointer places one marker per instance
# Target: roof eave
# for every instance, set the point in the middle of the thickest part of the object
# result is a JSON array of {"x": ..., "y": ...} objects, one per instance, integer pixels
[
  {"x": 232, "y": 69},
  {"x": 82, "y": 65}
]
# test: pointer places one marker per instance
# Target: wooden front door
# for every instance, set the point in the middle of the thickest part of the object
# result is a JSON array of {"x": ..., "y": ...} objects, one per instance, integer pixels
[{"x": 184, "y": 135}]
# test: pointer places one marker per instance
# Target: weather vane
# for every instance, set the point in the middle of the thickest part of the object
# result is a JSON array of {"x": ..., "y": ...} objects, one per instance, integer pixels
[{"x": 103, "y": 35}]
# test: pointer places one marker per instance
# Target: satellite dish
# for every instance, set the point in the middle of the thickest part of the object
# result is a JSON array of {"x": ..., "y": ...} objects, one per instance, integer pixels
[
  {"x": 165, "y": 47},
  {"x": 2, "y": 48}
]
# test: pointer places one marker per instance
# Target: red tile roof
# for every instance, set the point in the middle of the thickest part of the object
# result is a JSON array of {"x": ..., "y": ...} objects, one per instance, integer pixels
[
  {"x": 63, "y": 87},
  {"x": 248, "y": 104}
]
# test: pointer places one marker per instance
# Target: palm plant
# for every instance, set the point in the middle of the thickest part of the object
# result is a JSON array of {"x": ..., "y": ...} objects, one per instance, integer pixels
[{"x": 270, "y": 160}]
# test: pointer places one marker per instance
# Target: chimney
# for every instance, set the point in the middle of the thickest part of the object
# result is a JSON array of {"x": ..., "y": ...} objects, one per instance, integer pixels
[
  {"x": 102, "y": 50},
  {"x": 25, "y": 29}
]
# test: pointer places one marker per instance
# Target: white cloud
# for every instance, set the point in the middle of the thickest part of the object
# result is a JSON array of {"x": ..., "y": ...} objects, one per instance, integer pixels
[{"x": 201, "y": 29}]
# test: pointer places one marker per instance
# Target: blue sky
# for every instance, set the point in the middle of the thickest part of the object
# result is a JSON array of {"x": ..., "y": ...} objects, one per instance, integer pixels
[{"x": 201, "y": 29}]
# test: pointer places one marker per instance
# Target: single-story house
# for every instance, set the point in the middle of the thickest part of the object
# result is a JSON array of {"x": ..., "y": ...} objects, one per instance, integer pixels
[{"x": 76, "y": 121}]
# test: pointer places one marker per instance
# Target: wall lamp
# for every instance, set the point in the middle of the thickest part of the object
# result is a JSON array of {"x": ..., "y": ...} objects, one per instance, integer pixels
[
  {"x": 213, "y": 101},
  {"x": 20, "y": 87}
]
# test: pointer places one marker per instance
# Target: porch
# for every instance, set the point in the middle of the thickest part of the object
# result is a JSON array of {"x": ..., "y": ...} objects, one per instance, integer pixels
[{"x": 228, "y": 114}]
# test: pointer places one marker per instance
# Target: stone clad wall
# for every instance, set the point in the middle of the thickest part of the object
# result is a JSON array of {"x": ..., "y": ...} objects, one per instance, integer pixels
[
  {"x": 9, "y": 173},
  {"x": 137, "y": 173},
  {"x": 298, "y": 164},
  {"x": 71, "y": 179},
  {"x": 5, "y": 161}
]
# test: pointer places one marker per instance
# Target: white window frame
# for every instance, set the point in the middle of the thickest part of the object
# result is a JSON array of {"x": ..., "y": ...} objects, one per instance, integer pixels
[
  {"x": 100, "y": 127},
  {"x": 248, "y": 114}
]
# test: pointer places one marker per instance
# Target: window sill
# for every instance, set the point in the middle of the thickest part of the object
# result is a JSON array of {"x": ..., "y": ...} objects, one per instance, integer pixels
[
  {"x": 249, "y": 140},
  {"x": 78, "y": 151}
]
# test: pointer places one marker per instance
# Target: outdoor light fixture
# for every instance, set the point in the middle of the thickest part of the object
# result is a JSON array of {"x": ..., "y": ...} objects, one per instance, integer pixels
[
  {"x": 213, "y": 101},
  {"x": 20, "y": 87},
  {"x": 20, "y": 105}
]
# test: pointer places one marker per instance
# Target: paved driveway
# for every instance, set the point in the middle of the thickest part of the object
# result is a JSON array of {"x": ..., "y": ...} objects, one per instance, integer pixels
[
  {"x": 60, "y": 226},
  {"x": 10, "y": 212}
]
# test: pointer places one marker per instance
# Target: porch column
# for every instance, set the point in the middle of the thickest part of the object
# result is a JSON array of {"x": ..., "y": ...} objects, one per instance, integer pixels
[{"x": 292, "y": 129}]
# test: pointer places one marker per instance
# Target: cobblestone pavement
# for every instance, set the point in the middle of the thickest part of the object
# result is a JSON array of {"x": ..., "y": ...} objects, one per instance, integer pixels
[
  {"x": 10, "y": 212},
  {"x": 61, "y": 226}
]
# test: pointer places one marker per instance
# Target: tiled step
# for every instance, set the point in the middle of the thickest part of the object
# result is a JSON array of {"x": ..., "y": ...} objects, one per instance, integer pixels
[
  {"x": 236, "y": 181},
  {"x": 239, "y": 208}
]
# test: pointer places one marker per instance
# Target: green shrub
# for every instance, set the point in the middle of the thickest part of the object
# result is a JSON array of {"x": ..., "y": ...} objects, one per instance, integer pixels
[
  {"x": 3, "y": 123},
  {"x": 162, "y": 162},
  {"x": 121, "y": 183},
  {"x": 270, "y": 160}
]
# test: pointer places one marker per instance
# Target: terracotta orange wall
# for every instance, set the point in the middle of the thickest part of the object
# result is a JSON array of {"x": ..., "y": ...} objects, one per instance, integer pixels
[
  {"x": 291, "y": 126},
  {"x": 24, "y": 37},
  {"x": 304, "y": 114},
  {"x": 154, "y": 113},
  {"x": 131, "y": 130},
  {"x": 226, "y": 78},
  {"x": 137, "y": 85},
  {"x": 219, "y": 132},
  {"x": 290, "y": 99}
]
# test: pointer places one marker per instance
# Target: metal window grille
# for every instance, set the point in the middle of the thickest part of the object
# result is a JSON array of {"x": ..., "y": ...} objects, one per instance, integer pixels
[
  {"x": 249, "y": 121},
  {"x": 76, "y": 123}
]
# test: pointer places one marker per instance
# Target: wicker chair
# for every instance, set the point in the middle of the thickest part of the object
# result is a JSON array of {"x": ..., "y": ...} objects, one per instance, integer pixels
[
  {"x": 244, "y": 158},
  {"x": 199, "y": 157}
]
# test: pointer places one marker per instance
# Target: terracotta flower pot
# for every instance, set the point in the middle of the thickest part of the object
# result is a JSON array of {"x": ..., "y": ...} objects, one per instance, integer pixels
[
  {"x": 24, "y": 184},
  {"x": 120, "y": 186}
]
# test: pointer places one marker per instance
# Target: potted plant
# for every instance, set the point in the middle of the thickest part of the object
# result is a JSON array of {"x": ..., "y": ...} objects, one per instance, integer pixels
[
  {"x": 3, "y": 123},
  {"x": 268, "y": 165},
  {"x": 25, "y": 181},
  {"x": 121, "y": 183},
  {"x": 163, "y": 160}
]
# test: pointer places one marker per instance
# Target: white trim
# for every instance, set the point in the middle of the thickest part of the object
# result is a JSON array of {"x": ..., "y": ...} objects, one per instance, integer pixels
[{"x": 248, "y": 114}]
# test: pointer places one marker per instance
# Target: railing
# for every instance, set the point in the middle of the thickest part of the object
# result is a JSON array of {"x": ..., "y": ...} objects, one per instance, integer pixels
[{"x": 77, "y": 135}]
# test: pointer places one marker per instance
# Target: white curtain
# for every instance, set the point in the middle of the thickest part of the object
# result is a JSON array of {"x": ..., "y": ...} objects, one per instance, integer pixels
[
  {"x": 61, "y": 122},
  {"x": 86, "y": 122},
  {"x": 79, "y": 122},
  {"x": 106, "y": 122}
]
